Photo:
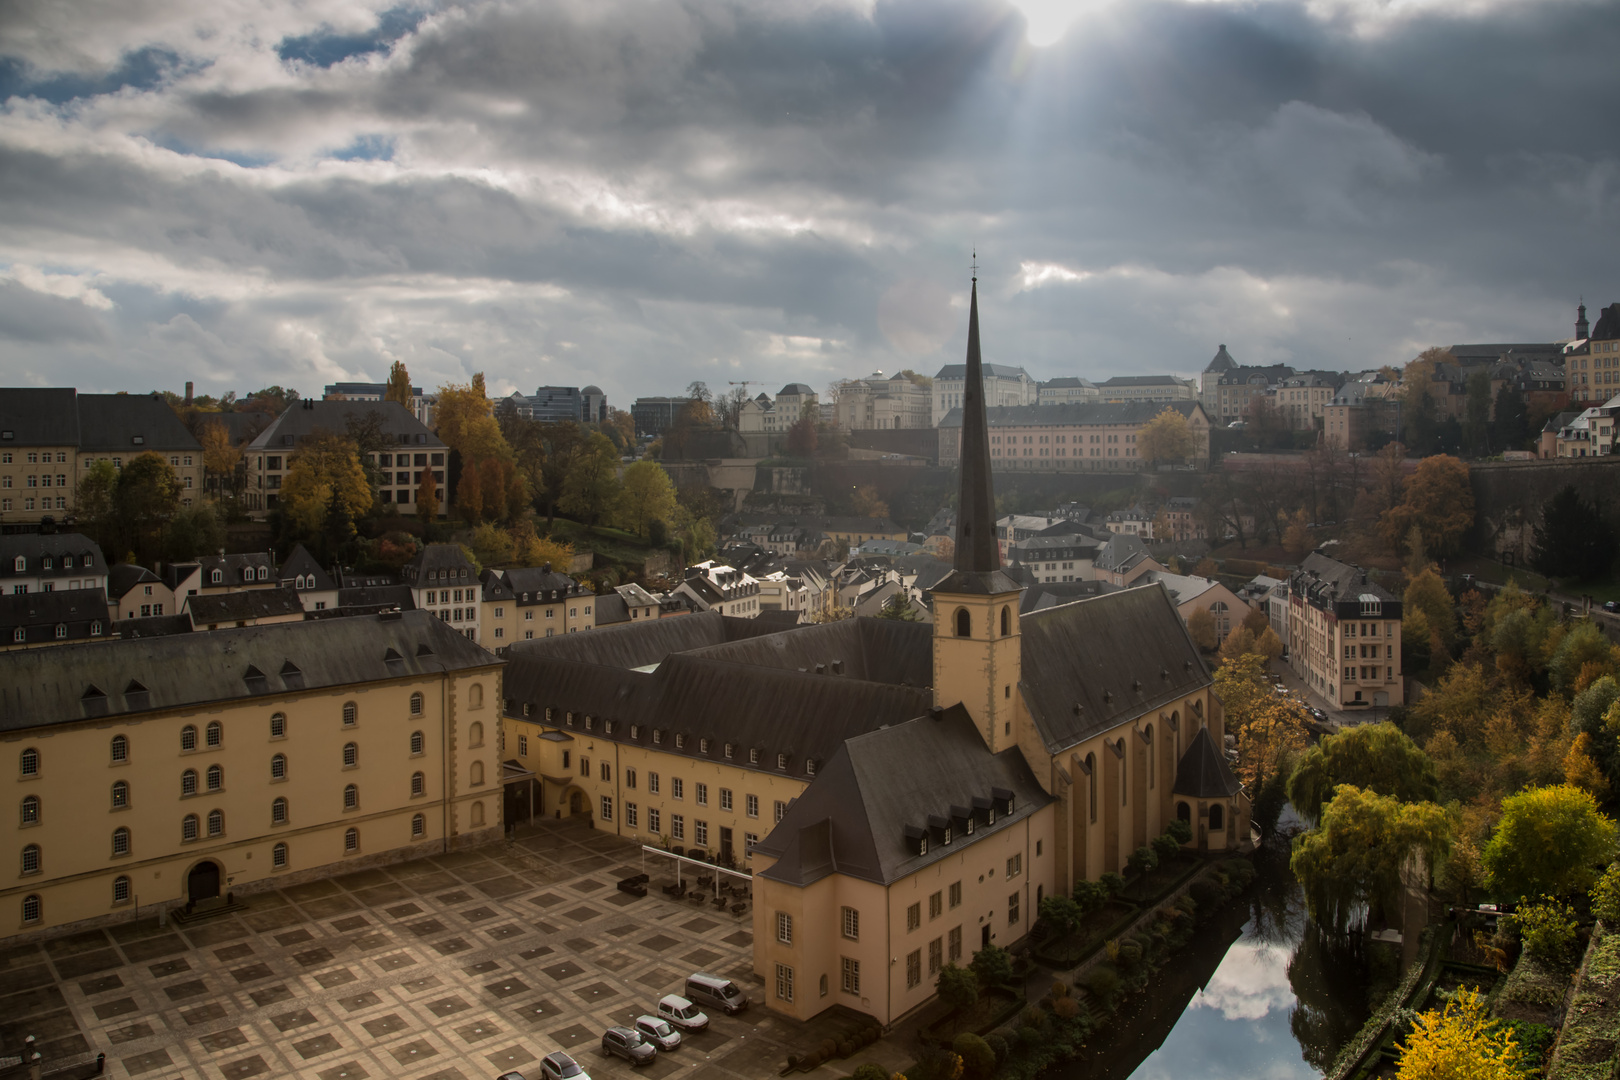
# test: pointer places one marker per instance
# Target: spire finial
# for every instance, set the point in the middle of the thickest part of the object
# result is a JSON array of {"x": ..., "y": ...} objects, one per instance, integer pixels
[{"x": 975, "y": 264}]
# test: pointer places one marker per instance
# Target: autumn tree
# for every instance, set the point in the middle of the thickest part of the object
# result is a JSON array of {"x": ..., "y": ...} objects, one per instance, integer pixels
[
  {"x": 325, "y": 487},
  {"x": 1438, "y": 500},
  {"x": 1461, "y": 1042},
  {"x": 399, "y": 386},
  {"x": 1428, "y": 594},
  {"x": 1167, "y": 437},
  {"x": 427, "y": 496},
  {"x": 646, "y": 496},
  {"x": 867, "y": 503},
  {"x": 220, "y": 456},
  {"x": 1374, "y": 757},
  {"x": 801, "y": 438},
  {"x": 1271, "y": 731},
  {"x": 1351, "y": 863},
  {"x": 591, "y": 486},
  {"x": 1201, "y": 627},
  {"x": 1551, "y": 841}
]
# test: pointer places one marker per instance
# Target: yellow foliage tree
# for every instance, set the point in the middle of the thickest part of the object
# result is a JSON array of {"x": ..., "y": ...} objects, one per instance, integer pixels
[
  {"x": 326, "y": 470},
  {"x": 868, "y": 504},
  {"x": 1201, "y": 626},
  {"x": 1581, "y": 770},
  {"x": 1167, "y": 437},
  {"x": 220, "y": 457},
  {"x": 1460, "y": 1042},
  {"x": 646, "y": 495},
  {"x": 1438, "y": 501},
  {"x": 1238, "y": 643},
  {"x": 1270, "y": 729},
  {"x": 399, "y": 385}
]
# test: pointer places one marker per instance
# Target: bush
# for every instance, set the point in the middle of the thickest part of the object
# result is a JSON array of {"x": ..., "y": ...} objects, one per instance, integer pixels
[
  {"x": 1180, "y": 830},
  {"x": 978, "y": 1060},
  {"x": 1089, "y": 896},
  {"x": 1205, "y": 894},
  {"x": 845, "y": 1048},
  {"x": 870, "y": 1071},
  {"x": 1065, "y": 1008},
  {"x": 1165, "y": 847},
  {"x": 998, "y": 1046},
  {"x": 1143, "y": 860},
  {"x": 993, "y": 965},
  {"x": 810, "y": 1061},
  {"x": 1111, "y": 882},
  {"x": 1547, "y": 929},
  {"x": 1103, "y": 982},
  {"x": 829, "y": 1047},
  {"x": 1606, "y": 897}
]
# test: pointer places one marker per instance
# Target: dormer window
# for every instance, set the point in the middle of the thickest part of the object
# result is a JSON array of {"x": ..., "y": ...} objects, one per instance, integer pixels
[
  {"x": 916, "y": 840},
  {"x": 753, "y": 755},
  {"x": 216, "y": 577},
  {"x": 680, "y": 742},
  {"x": 47, "y": 563},
  {"x": 570, "y": 718},
  {"x": 590, "y": 723},
  {"x": 728, "y": 751},
  {"x": 67, "y": 562},
  {"x": 635, "y": 731},
  {"x": 19, "y": 564},
  {"x": 781, "y": 762},
  {"x": 703, "y": 746},
  {"x": 658, "y": 737}
]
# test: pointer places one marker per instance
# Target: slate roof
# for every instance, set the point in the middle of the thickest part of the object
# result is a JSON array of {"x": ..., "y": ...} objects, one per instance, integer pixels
[
  {"x": 1221, "y": 362},
  {"x": 1608, "y": 324},
  {"x": 1142, "y": 380},
  {"x": 33, "y": 547},
  {"x": 853, "y": 819},
  {"x": 41, "y": 687},
  {"x": 1121, "y": 552},
  {"x": 877, "y": 650},
  {"x": 1113, "y": 656},
  {"x": 307, "y": 416},
  {"x": 526, "y": 581},
  {"x": 1074, "y": 413},
  {"x": 125, "y": 576},
  {"x": 1202, "y": 772},
  {"x": 1040, "y": 595},
  {"x": 369, "y": 599},
  {"x": 611, "y": 610},
  {"x": 241, "y": 427},
  {"x": 37, "y": 416},
  {"x": 155, "y": 626},
  {"x": 302, "y": 564},
  {"x": 231, "y": 568},
  {"x": 1003, "y": 371},
  {"x": 1323, "y": 581},
  {"x": 247, "y": 604},
  {"x": 797, "y": 388},
  {"x": 1184, "y": 588},
  {"x": 446, "y": 560},
  {"x": 110, "y": 423},
  {"x": 638, "y": 645},
  {"x": 38, "y": 614},
  {"x": 1065, "y": 382}
]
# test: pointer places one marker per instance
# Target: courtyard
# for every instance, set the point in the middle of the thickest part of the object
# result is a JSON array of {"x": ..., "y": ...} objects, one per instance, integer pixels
[{"x": 453, "y": 967}]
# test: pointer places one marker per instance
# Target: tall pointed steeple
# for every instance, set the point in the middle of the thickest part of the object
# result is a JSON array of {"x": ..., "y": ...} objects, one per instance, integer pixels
[{"x": 976, "y": 549}]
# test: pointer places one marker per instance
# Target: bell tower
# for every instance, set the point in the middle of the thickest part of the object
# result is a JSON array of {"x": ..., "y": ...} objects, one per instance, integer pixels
[{"x": 977, "y": 653}]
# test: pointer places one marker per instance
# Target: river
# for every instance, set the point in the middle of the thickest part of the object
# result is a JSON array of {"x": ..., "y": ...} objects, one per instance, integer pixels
[{"x": 1254, "y": 996}]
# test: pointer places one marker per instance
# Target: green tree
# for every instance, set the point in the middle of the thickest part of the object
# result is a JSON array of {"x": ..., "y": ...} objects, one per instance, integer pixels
[
  {"x": 1061, "y": 913},
  {"x": 399, "y": 385},
  {"x": 1355, "y": 854},
  {"x": 147, "y": 496},
  {"x": 1584, "y": 644},
  {"x": 1374, "y": 757},
  {"x": 1476, "y": 424},
  {"x": 1573, "y": 538},
  {"x": 1550, "y": 841},
  {"x": 978, "y": 1060},
  {"x": 958, "y": 986},
  {"x": 193, "y": 531},
  {"x": 591, "y": 487},
  {"x": 1428, "y": 594},
  {"x": 646, "y": 495},
  {"x": 1605, "y": 896},
  {"x": 1512, "y": 422},
  {"x": 899, "y": 608},
  {"x": 993, "y": 965},
  {"x": 93, "y": 505}
]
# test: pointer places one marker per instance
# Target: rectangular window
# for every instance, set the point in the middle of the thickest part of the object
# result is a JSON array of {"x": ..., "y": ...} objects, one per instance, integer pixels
[
  {"x": 1012, "y": 910},
  {"x": 936, "y": 956},
  {"x": 851, "y": 924},
  {"x": 850, "y": 975},
  {"x": 607, "y": 808},
  {"x": 749, "y": 840},
  {"x": 631, "y": 814},
  {"x": 677, "y": 787},
  {"x": 936, "y": 905},
  {"x": 702, "y": 793},
  {"x": 784, "y": 982},
  {"x": 784, "y": 928},
  {"x": 725, "y": 798},
  {"x": 781, "y": 809},
  {"x": 1015, "y": 865},
  {"x": 523, "y": 746},
  {"x": 585, "y": 766},
  {"x": 652, "y": 783},
  {"x": 654, "y": 820},
  {"x": 700, "y": 833},
  {"x": 913, "y": 968},
  {"x": 677, "y": 826},
  {"x": 956, "y": 894},
  {"x": 751, "y": 802},
  {"x": 630, "y": 778},
  {"x": 955, "y": 940},
  {"x": 913, "y": 917},
  {"x": 606, "y": 772}
]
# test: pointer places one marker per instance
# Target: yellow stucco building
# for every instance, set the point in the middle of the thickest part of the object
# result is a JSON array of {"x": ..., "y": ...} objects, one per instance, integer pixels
[{"x": 174, "y": 770}]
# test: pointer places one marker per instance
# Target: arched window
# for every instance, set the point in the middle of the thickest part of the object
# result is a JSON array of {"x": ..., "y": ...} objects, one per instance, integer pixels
[
  {"x": 477, "y": 773},
  {"x": 120, "y": 748},
  {"x": 121, "y": 890},
  {"x": 30, "y": 810},
  {"x": 188, "y": 827},
  {"x": 475, "y": 696},
  {"x": 478, "y": 813},
  {"x": 188, "y": 738},
  {"x": 278, "y": 857},
  {"x": 216, "y": 733},
  {"x": 120, "y": 794},
  {"x": 416, "y": 704},
  {"x": 216, "y": 777},
  {"x": 278, "y": 811},
  {"x": 351, "y": 797},
  {"x": 418, "y": 784},
  {"x": 351, "y": 840},
  {"x": 1091, "y": 783},
  {"x": 418, "y": 743},
  {"x": 32, "y": 909},
  {"x": 278, "y": 767},
  {"x": 216, "y": 577},
  {"x": 216, "y": 823},
  {"x": 188, "y": 782},
  {"x": 351, "y": 755},
  {"x": 120, "y": 842},
  {"x": 28, "y": 762},
  {"x": 31, "y": 859},
  {"x": 350, "y": 714},
  {"x": 475, "y": 734},
  {"x": 964, "y": 623},
  {"x": 418, "y": 826},
  {"x": 1183, "y": 812},
  {"x": 278, "y": 725},
  {"x": 1217, "y": 817},
  {"x": 1006, "y": 621}
]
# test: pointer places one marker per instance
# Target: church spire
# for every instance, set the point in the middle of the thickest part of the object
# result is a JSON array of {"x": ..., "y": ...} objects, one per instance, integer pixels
[{"x": 976, "y": 549}]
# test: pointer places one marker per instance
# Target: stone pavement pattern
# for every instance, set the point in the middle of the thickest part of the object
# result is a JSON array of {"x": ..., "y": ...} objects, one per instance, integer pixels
[{"x": 452, "y": 967}]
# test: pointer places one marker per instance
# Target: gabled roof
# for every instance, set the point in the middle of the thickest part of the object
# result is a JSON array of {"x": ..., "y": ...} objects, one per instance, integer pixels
[
  {"x": 1102, "y": 661},
  {"x": 302, "y": 564},
  {"x": 1041, "y": 595},
  {"x": 525, "y": 581},
  {"x": 611, "y": 610},
  {"x": 1121, "y": 552},
  {"x": 1202, "y": 773},
  {"x": 38, "y": 416},
  {"x": 33, "y": 547},
  {"x": 305, "y": 417},
  {"x": 638, "y": 645},
  {"x": 41, "y": 687},
  {"x": 111, "y": 423},
  {"x": 446, "y": 559},
  {"x": 853, "y": 818},
  {"x": 244, "y": 605},
  {"x": 125, "y": 576},
  {"x": 38, "y": 614}
]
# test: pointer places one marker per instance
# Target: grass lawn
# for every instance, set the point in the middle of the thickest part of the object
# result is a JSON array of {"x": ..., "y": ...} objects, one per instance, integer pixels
[
  {"x": 613, "y": 544},
  {"x": 1497, "y": 573}
]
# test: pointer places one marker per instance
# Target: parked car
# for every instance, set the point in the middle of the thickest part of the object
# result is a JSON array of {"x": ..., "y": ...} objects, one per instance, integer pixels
[
  {"x": 511, "y": 1076},
  {"x": 713, "y": 990},
  {"x": 682, "y": 1013},
  {"x": 661, "y": 1033},
  {"x": 1612, "y": 606},
  {"x": 628, "y": 1043},
  {"x": 561, "y": 1066}
]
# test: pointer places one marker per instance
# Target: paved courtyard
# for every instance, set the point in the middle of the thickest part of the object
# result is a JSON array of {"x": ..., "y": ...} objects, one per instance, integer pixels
[{"x": 453, "y": 967}]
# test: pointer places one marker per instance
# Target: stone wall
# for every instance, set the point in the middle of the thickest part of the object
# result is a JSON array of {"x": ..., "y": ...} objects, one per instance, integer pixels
[{"x": 1509, "y": 495}]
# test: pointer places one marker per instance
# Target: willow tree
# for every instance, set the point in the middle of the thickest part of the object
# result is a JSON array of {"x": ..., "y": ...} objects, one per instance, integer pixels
[
  {"x": 1350, "y": 865},
  {"x": 1374, "y": 757}
]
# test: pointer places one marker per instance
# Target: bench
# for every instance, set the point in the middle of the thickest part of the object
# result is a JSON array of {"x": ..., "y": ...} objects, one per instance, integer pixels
[
  {"x": 675, "y": 890},
  {"x": 633, "y": 887}
]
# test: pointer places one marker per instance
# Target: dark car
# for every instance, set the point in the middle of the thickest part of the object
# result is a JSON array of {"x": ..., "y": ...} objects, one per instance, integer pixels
[
  {"x": 629, "y": 1044},
  {"x": 1612, "y": 606}
]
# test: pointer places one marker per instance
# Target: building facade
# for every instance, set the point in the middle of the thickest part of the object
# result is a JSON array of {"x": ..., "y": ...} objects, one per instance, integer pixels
[
  {"x": 1122, "y": 388},
  {"x": 1344, "y": 634},
  {"x": 1072, "y": 438},
  {"x": 412, "y": 450},
  {"x": 1066, "y": 391},
  {"x": 1002, "y": 385},
  {"x": 881, "y": 402},
  {"x": 421, "y": 405}
]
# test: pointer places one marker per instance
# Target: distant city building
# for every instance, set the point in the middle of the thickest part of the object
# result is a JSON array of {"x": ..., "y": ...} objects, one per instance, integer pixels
[
  {"x": 421, "y": 406},
  {"x": 1590, "y": 433},
  {"x": 1221, "y": 363},
  {"x": 1240, "y": 389},
  {"x": 880, "y": 402},
  {"x": 655, "y": 415},
  {"x": 1003, "y": 385},
  {"x": 1066, "y": 391},
  {"x": 413, "y": 449},
  {"x": 1123, "y": 388},
  {"x": 1344, "y": 634},
  {"x": 555, "y": 404},
  {"x": 1074, "y": 438},
  {"x": 1593, "y": 362}
]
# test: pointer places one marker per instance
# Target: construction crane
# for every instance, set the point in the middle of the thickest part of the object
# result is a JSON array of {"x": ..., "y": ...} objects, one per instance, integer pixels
[{"x": 745, "y": 384}]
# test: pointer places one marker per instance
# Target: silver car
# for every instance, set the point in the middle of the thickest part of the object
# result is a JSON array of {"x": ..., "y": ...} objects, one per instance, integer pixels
[
  {"x": 561, "y": 1066},
  {"x": 660, "y": 1033}
]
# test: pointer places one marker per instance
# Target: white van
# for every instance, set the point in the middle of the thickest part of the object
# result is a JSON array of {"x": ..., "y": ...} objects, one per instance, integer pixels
[{"x": 713, "y": 990}]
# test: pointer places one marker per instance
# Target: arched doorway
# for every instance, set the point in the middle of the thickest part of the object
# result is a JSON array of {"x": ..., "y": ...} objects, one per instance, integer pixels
[
  {"x": 203, "y": 881},
  {"x": 576, "y": 802}
]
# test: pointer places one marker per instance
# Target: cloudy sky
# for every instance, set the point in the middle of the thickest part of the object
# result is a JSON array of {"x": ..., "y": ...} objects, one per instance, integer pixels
[{"x": 638, "y": 193}]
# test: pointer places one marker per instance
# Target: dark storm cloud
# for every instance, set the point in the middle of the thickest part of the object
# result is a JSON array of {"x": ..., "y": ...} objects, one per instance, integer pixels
[{"x": 638, "y": 194}]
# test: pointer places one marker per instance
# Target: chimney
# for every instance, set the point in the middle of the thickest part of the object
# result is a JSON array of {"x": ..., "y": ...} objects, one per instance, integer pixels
[{"x": 188, "y": 391}]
